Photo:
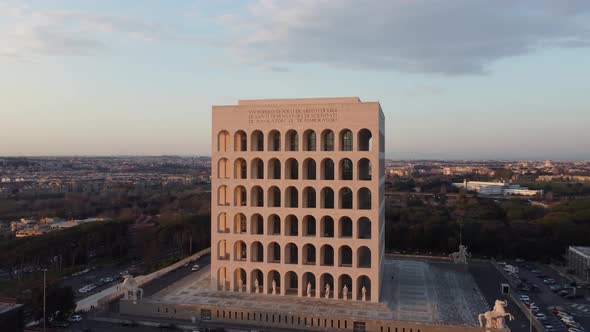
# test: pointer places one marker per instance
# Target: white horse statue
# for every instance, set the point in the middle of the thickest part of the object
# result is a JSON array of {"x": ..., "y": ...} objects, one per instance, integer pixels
[
  {"x": 495, "y": 317},
  {"x": 131, "y": 288},
  {"x": 460, "y": 257}
]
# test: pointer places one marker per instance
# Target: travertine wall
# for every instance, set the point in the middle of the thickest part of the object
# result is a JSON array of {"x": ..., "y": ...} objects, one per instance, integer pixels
[{"x": 297, "y": 197}]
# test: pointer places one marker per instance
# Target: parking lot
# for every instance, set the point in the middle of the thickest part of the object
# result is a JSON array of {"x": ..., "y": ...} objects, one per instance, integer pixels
[{"x": 538, "y": 286}]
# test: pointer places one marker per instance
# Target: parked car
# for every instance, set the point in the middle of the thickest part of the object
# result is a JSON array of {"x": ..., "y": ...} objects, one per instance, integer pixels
[
  {"x": 128, "y": 323},
  {"x": 540, "y": 316},
  {"x": 166, "y": 325},
  {"x": 75, "y": 318},
  {"x": 523, "y": 297},
  {"x": 555, "y": 288},
  {"x": 563, "y": 292},
  {"x": 195, "y": 267}
]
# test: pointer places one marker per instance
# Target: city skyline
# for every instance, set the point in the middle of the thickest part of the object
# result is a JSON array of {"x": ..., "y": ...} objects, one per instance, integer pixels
[{"x": 105, "y": 78}]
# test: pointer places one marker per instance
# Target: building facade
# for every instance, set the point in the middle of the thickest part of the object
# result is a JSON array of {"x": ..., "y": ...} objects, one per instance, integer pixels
[
  {"x": 579, "y": 260},
  {"x": 298, "y": 198}
]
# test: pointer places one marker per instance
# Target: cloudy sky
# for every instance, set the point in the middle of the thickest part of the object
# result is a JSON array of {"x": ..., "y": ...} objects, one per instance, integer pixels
[{"x": 456, "y": 79}]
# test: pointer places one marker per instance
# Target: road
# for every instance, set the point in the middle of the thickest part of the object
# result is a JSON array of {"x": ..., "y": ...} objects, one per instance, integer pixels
[
  {"x": 92, "y": 277},
  {"x": 547, "y": 298},
  {"x": 488, "y": 278},
  {"x": 168, "y": 279}
]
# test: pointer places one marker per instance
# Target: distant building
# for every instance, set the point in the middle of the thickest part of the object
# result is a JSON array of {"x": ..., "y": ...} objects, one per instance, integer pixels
[
  {"x": 497, "y": 188},
  {"x": 579, "y": 260}
]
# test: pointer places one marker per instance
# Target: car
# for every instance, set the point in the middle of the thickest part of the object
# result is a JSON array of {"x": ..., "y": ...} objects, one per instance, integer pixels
[
  {"x": 535, "y": 271},
  {"x": 573, "y": 329},
  {"x": 549, "y": 281},
  {"x": 128, "y": 323},
  {"x": 540, "y": 316},
  {"x": 555, "y": 288},
  {"x": 563, "y": 292},
  {"x": 523, "y": 297},
  {"x": 501, "y": 263},
  {"x": 534, "y": 307},
  {"x": 75, "y": 318},
  {"x": 574, "y": 325},
  {"x": 567, "y": 320},
  {"x": 166, "y": 325},
  {"x": 195, "y": 267}
]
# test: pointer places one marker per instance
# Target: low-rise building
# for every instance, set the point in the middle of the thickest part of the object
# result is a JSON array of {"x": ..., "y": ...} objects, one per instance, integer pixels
[
  {"x": 579, "y": 261},
  {"x": 497, "y": 188}
]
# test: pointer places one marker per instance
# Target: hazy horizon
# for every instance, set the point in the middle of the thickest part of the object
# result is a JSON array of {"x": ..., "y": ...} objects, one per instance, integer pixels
[{"x": 467, "y": 79}]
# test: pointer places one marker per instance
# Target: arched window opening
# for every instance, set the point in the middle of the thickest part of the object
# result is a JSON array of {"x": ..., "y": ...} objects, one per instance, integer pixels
[
  {"x": 291, "y": 197},
  {"x": 327, "y": 227},
  {"x": 273, "y": 284},
  {"x": 309, "y": 169},
  {"x": 291, "y": 284},
  {"x": 327, "y": 198},
  {"x": 309, "y": 140},
  {"x": 308, "y": 285},
  {"x": 240, "y": 224},
  {"x": 365, "y": 140},
  {"x": 223, "y": 141},
  {"x": 291, "y": 226},
  {"x": 363, "y": 255},
  {"x": 274, "y": 252},
  {"x": 364, "y": 169},
  {"x": 327, "y": 279},
  {"x": 240, "y": 196},
  {"x": 346, "y": 140},
  {"x": 327, "y": 255},
  {"x": 222, "y": 196},
  {"x": 274, "y": 169},
  {"x": 257, "y": 141},
  {"x": 223, "y": 169},
  {"x": 256, "y": 252},
  {"x": 345, "y": 198},
  {"x": 309, "y": 254},
  {"x": 240, "y": 251},
  {"x": 327, "y": 169},
  {"x": 274, "y": 197},
  {"x": 292, "y": 169},
  {"x": 274, "y": 225},
  {"x": 222, "y": 250},
  {"x": 257, "y": 169},
  {"x": 345, "y": 254},
  {"x": 292, "y": 140},
  {"x": 240, "y": 143},
  {"x": 309, "y": 226},
  {"x": 327, "y": 140},
  {"x": 364, "y": 228},
  {"x": 291, "y": 254},
  {"x": 256, "y": 197},
  {"x": 222, "y": 225},
  {"x": 256, "y": 224},
  {"x": 309, "y": 197},
  {"x": 345, "y": 169},
  {"x": 364, "y": 282},
  {"x": 345, "y": 227},
  {"x": 274, "y": 140},
  {"x": 256, "y": 279},
  {"x": 240, "y": 169},
  {"x": 239, "y": 280},
  {"x": 223, "y": 278},
  {"x": 345, "y": 280},
  {"x": 364, "y": 199}
]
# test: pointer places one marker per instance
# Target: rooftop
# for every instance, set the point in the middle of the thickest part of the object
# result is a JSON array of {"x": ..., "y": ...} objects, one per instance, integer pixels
[
  {"x": 8, "y": 306},
  {"x": 583, "y": 250},
  {"x": 300, "y": 101}
]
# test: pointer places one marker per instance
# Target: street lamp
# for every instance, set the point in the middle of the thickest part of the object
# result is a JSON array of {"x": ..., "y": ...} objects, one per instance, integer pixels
[{"x": 44, "y": 298}]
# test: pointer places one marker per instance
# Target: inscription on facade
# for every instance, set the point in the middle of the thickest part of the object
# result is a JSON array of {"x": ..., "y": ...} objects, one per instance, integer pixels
[{"x": 293, "y": 115}]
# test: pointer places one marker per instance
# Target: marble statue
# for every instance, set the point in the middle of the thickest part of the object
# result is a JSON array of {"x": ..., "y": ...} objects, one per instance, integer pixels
[
  {"x": 274, "y": 287},
  {"x": 460, "y": 257},
  {"x": 240, "y": 285},
  {"x": 308, "y": 289},
  {"x": 495, "y": 317},
  {"x": 345, "y": 292},
  {"x": 327, "y": 290},
  {"x": 131, "y": 288},
  {"x": 364, "y": 294},
  {"x": 256, "y": 286}
]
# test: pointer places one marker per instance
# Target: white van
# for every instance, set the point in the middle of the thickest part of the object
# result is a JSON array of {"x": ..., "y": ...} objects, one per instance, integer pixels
[{"x": 511, "y": 269}]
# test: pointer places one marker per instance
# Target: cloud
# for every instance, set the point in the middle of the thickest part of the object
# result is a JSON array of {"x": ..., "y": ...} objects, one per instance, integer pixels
[
  {"x": 28, "y": 33},
  {"x": 417, "y": 36}
]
